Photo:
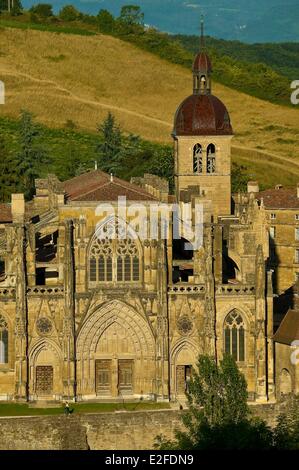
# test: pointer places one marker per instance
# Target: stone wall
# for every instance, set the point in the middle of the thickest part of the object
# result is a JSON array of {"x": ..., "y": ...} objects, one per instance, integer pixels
[{"x": 102, "y": 431}]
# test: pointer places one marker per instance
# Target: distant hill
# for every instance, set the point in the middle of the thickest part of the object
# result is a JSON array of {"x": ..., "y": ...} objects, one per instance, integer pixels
[
  {"x": 283, "y": 57},
  {"x": 248, "y": 21},
  {"x": 61, "y": 77}
]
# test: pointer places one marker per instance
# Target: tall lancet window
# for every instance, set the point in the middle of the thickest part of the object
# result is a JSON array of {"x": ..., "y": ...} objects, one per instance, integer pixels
[
  {"x": 234, "y": 336},
  {"x": 3, "y": 341},
  {"x": 197, "y": 158},
  {"x": 211, "y": 158}
]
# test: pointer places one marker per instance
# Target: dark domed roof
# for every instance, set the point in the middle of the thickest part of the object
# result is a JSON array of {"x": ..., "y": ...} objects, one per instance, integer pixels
[
  {"x": 202, "y": 63},
  {"x": 202, "y": 115}
]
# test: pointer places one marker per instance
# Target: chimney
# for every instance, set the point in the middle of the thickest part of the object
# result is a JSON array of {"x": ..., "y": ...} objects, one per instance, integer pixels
[
  {"x": 18, "y": 208},
  {"x": 253, "y": 187}
]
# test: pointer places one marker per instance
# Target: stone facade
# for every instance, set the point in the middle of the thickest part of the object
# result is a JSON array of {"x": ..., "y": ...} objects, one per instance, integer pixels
[{"x": 89, "y": 317}]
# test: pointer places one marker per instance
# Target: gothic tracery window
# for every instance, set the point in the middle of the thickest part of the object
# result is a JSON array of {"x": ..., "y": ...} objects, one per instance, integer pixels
[
  {"x": 234, "y": 336},
  {"x": 197, "y": 158},
  {"x": 211, "y": 159},
  {"x": 3, "y": 341},
  {"x": 114, "y": 258}
]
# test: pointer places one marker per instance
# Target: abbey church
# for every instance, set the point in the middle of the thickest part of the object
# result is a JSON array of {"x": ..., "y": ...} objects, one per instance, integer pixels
[{"x": 90, "y": 317}]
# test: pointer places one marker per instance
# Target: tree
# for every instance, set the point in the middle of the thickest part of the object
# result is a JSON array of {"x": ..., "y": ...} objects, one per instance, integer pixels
[
  {"x": 31, "y": 155},
  {"x": 73, "y": 165},
  {"x": 239, "y": 178},
  {"x": 162, "y": 165},
  {"x": 8, "y": 173},
  {"x": 131, "y": 19},
  {"x": 69, "y": 13},
  {"x": 106, "y": 21},
  {"x": 218, "y": 416},
  {"x": 44, "y": 10},
  {"x": 16, "y": 8},
  {"x": 131, "y": 15},
  {"x": 287, "y": 429},
  {"x": 109, "y": 149}
]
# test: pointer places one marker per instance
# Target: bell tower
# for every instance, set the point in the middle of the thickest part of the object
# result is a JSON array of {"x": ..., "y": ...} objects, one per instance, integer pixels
[{"x": 202, "y": 141}]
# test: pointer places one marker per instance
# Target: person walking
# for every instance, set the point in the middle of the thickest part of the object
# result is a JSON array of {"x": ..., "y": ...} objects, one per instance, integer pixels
[{"x": 67, "y": 410}]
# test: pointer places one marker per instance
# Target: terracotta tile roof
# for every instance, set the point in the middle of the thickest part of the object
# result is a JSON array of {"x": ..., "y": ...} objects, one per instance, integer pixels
[
  {"x": 288, "y": 330},
  {"x": 98, "y": 186},
  {"x": 5, "y": 213},
  {"x": 283, "y": 198}
]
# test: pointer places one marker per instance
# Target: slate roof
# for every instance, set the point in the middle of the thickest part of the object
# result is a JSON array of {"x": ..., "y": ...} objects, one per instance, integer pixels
[
  {"x": 288, "y": 330},
  {"x": 99, "y": 186},
  {"x": 283, "y": 198},
  {"x": 5, "y": 213}
]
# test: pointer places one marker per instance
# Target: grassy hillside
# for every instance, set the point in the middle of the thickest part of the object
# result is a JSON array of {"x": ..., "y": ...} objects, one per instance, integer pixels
[
  {"x": 235, "y": 64},
  {"x": 70, "y": 77}
]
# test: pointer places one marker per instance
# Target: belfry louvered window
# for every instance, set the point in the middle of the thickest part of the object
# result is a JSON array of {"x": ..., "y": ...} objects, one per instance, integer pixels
[
  {"x": 211, "y": 158},
  {"x": 234, "y": 336},
  {"x": 197, "y": 158},
  {"x": 113, "y": 258}
]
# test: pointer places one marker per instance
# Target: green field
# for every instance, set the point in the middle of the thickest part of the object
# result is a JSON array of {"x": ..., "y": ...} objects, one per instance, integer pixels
[{"x": 20, "y": 409}]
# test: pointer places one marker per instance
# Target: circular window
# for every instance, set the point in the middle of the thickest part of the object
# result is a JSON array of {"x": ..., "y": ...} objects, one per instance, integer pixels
[
  {"x": 185, "y": 325},
  {"x": 44, "y": 326}
]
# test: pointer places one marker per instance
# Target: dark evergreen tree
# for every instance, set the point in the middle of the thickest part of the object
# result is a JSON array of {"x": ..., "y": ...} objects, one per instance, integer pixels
[
  {"x": 109, "y": 150},
  {"x": 8, "y": 173},
  {"x": 240, "y": 178},
  {"x": 31, "y": 156}
]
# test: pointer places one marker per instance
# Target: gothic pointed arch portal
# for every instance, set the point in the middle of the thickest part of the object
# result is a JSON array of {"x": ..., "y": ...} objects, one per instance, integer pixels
[
  {"x": 183, "y": 361},
  {"x": 115, "y": 353},
  {"x": 45, "y": 364}
]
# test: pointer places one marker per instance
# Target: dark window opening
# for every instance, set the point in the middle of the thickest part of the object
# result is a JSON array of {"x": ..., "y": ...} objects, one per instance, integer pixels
[
  {"x": 182, "y": 253},
  {"x": 2, "y": 270},
  {"x": 42, "y": 275},
  {"x": 46, "y": 247},
  {"x": 182, "y": 249},
  {"x": 230, "y": 270}
]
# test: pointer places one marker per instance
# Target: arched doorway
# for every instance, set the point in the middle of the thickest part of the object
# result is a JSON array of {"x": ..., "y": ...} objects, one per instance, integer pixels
[
  {"x": 116, "y": 354},
  {"x": 45, "y": 371},
  {"x": 285, "y": 383},
  {"x": 184, "y": 357}
]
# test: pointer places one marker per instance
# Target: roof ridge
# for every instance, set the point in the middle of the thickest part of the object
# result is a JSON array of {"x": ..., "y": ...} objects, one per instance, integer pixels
[{"x": 92, "y": 189}]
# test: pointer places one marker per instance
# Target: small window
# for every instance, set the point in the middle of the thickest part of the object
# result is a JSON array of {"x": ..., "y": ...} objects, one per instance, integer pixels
[
  {"x": 297, "y": 217},
  {"x": 273, "y": 216},
  {"x": 297, "y": 256},
  {"x": 297, "y": 233},
  {"x": 272, "y": 232}
]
